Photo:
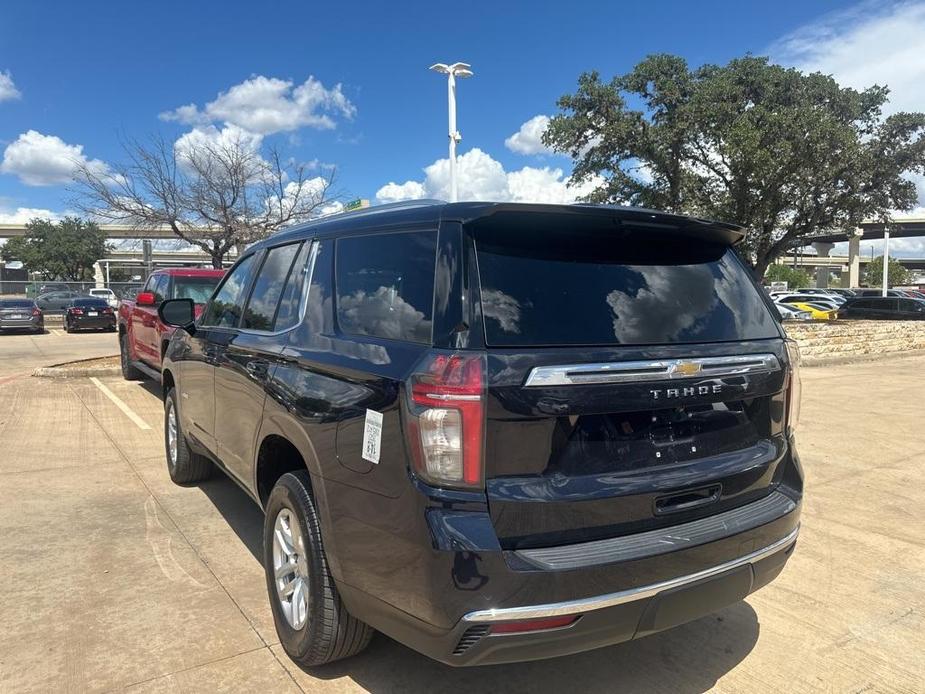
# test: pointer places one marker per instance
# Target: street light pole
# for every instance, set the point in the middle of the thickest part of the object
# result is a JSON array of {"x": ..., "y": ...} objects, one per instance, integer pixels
[
  {"x": 453, "y": 71},
  {"x": 886, "y": 261}
]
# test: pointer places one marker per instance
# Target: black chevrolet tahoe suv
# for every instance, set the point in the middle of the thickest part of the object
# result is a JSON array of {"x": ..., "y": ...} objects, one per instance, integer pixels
[{"x": 494, "y": 432}]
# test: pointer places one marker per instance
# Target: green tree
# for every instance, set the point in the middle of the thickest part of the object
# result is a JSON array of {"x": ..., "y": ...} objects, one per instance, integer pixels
[
  {"x": 794, "y": 277},
  {"x": 63, "y": 250},
  {"x": 783, "y": 153},
  {"x": 896, "y": 273}
]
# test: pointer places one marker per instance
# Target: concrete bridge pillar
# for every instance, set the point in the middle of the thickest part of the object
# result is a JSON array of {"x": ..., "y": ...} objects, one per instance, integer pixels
[
  {"x": 822, "y": 272},
  {"x": 854, "y": 257}
]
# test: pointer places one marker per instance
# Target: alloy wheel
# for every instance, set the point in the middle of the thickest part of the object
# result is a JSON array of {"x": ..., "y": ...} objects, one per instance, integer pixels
[{"x": 290, "y": 568}]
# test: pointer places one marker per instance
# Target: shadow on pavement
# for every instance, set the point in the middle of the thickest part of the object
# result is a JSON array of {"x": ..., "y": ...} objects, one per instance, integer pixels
[{"x": 688, "y": 659}]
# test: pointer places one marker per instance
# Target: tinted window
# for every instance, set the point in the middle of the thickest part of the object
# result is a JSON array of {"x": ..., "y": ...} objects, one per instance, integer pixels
[
  {"x": 149, "y": 284},
  {"x": 287, "y": 314},
  {"x": 90, "y": 302},
  {"x": 225, "y": 309},
  {"x": 16, "y": 303},
  {"x": 268, "y": 287},
  {"x": 385, "y": 285},
  {"x": 161, "y": 288},
  {"x": 199, "y": 289},
  {"x": 589, "y": 289}
]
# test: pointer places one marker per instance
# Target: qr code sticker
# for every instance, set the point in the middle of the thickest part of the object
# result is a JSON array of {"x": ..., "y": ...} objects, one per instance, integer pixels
[{"x": 372, "y": 436}]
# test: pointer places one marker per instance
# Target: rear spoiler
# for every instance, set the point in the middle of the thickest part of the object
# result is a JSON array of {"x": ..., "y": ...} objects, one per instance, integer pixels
[{"x": 587, "y": 217}]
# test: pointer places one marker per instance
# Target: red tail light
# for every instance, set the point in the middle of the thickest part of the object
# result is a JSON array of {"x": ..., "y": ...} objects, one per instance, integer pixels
[
  {"x": 36, "y": 311},
  {"x": 795, "y": 388},
  {"x": 74, "y": 311},
  {"x": 447, "y": 416},
  {"x": 107, "y": 310}
]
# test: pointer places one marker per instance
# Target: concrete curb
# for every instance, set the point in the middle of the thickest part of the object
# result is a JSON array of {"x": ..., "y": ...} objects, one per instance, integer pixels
[{"x": 67, "y": 370}]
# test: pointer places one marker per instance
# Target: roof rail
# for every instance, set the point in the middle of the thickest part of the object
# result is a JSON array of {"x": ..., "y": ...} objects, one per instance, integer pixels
[{"x": 388, "y": 207}]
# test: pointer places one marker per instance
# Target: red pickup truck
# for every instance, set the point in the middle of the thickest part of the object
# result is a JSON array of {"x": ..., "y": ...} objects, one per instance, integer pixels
[{"x": 142, "y": 336}]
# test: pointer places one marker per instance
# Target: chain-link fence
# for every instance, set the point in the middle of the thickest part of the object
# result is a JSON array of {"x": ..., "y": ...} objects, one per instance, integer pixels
[{"x": 34, "y": 289}]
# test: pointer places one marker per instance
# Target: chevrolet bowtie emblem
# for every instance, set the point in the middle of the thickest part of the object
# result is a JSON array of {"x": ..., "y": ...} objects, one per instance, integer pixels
[{"x": 687, "y": 368}]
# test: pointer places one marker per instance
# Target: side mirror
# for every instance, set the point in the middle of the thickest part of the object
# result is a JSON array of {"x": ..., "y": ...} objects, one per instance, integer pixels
[
  {"x": 178, "y": 313},
  {"x": 145, "y": 299}
]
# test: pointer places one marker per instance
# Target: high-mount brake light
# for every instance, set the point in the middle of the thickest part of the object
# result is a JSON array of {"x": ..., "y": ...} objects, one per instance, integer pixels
[{"x": 447, "y": 425}]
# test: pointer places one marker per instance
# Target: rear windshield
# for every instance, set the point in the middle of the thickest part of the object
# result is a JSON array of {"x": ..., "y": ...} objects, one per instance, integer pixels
[
  {"x": 15, "y": 303},
  {"x": 199, "y": 289},
  {"x": 90, "y": 302},
  {"x": 591, "y": 289}
]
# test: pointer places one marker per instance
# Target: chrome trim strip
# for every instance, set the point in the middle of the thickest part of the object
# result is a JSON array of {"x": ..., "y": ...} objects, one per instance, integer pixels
[
  {"x": 600, "y": 602},
  {"x": 647, "y": 371}
]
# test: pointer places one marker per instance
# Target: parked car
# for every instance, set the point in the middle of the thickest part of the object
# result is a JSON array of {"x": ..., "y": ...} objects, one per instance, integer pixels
[
  {"x": 490, "y": 430},
  {"x": 788, "y": 312},
  {"x": 899, "y": 293},
  {"x": 817, "y": 310},
  {"x": 884, "y": 308},
  {"x": 108, "y": 295},
  {"x": 53, "y": 287},
  {"x": 826, "y": 294},
  {"x": 57, "y": 301},
  {"x": 143, "y": 337},
  {"x": 793, "y": 299},
  {"x": 841, "y": 291},
  {"x": 89, "y": 313},
  {"x": 21, "y": 314}
]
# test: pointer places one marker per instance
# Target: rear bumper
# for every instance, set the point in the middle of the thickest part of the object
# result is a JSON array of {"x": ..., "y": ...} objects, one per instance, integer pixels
[
  {"x": 616, "y": 617},
  {"x": 97, "y": 323},
  {"x": 33, "y": 323},
  {"x": 613, "y": 601}
]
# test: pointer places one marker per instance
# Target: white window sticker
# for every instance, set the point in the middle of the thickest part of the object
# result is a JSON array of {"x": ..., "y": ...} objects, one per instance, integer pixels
[{"x": 372, "y": 436}]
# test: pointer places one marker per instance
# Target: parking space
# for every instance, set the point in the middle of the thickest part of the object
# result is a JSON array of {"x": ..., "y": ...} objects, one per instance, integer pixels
[{"x": 114, "y": 577}]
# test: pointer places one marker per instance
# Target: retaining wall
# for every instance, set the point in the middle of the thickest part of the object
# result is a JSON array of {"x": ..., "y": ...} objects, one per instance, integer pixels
[{"x": 844, "y": 339}]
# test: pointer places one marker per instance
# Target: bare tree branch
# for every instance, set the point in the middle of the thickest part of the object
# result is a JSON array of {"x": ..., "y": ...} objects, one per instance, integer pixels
[{"x": 214, "y": 194}]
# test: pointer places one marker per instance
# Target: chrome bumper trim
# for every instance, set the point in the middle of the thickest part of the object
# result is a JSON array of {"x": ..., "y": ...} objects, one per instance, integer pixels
[
  {"x": 600, "y": 602},
  {"x": 651, "y": 371}
]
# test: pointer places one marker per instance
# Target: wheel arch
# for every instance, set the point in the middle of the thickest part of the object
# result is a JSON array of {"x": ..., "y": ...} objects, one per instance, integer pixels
[{"x": 284, "y": 446}]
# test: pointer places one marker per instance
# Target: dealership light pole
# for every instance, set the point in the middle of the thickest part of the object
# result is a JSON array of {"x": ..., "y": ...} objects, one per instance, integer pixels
[
  {"x": 453, "y": 71},
  {"x": 886, "y": 260}
]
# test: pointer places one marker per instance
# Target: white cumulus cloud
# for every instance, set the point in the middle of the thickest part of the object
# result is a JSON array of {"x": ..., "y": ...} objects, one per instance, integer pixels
[
  {"x": 870, "y": 43},
  {"x": 21, "y": 215},
  {"x": 529, "y": 138},
  {"x": 480, "y": 177},
  {"x": 44, "y": 160},
  {"x": 267, "y": 105},
  {"x": 8, "y": 90}
]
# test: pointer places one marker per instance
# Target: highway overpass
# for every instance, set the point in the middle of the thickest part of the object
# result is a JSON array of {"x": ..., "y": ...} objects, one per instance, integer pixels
[{"x": 113, "y": 231}]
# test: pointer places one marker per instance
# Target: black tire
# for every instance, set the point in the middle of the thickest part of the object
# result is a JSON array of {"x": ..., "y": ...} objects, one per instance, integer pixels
[
  {"x": 129, "y": 372},
  {"x": 67, "y": 326},
  {"x": 330, "y": 632},
  {"x": 186, "y": 467}
]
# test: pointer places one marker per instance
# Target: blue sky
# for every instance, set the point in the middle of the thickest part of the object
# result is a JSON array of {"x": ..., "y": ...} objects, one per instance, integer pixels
[{"x": 79, "y": 76}]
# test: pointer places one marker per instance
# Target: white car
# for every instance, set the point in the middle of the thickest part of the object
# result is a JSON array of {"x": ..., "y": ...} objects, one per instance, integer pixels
[
  {"x": 790, "y": 313},
  {"x": 108, "y": 295}
]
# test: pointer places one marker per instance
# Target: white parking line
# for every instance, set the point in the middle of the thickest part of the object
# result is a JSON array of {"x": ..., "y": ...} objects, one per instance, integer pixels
[
  {"x": 55, "y": 331},
  {"x": 142, "y": 424}
]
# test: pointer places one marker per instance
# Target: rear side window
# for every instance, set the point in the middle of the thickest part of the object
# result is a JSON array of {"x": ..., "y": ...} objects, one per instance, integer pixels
[
  {"x": 225, "y": 309},
  {"x": 268, "y": 287},
  {"x": 287, "y": 315},
  {"x": 604, "y": 289},
  {"x": 385, "y": 285},
  {"x": 199, "y": 289}
]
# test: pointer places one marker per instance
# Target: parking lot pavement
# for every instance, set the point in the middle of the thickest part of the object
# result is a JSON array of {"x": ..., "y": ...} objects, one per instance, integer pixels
[
  {"x": 113, "y": 577},
  {"x": 21, "y": 353}
]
